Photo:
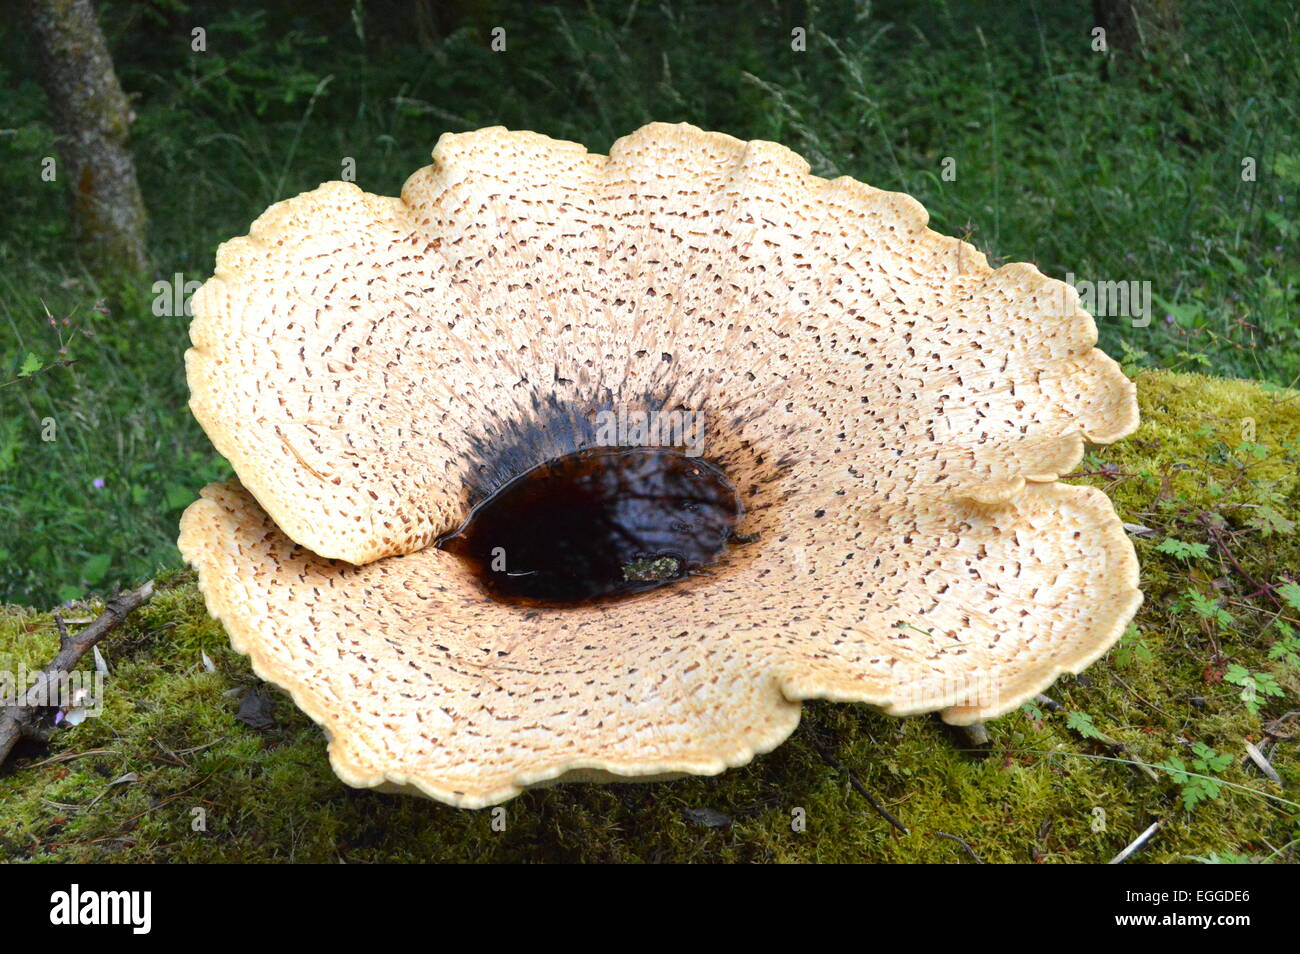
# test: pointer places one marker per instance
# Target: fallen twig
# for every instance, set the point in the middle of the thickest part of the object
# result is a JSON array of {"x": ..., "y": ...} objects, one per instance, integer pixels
[
  {"x": 68, "y": 757},
  {"x": 969, "y": 850},
  {"x": 1280, "y": 727},
  {"x": 1109, "y": 471},
  {"x": 19, "y": 720},
  {"x": 1135, "y": 844},
  {"x": 858, "y": 787},
  {"x": 1219, "y": 541},
  {"x": 1040, "y": 843}
]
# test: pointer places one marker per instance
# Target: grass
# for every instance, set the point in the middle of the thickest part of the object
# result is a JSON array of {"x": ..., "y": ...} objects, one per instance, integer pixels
[
  {"x": 1127, "y": 171},
  {"x": 168, "y": 753}
]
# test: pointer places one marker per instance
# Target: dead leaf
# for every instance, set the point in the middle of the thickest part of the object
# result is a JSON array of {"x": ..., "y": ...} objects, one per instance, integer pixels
[{"x": 1138, "y": 530}]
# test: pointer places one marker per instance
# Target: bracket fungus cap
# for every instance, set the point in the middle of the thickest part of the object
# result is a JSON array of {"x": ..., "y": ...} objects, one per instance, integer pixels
[{"x": 894, "y": 412}]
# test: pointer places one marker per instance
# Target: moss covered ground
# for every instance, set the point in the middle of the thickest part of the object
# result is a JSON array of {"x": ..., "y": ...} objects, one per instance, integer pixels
[{"x": 169, "y": 774}]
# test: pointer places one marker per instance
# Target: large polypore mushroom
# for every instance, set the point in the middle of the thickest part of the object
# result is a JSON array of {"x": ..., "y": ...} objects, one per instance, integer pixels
[{"x": 887, "y": 414}]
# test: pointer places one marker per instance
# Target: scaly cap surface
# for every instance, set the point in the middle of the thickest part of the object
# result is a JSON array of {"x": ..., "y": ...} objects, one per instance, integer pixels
[{"x": 894, "y": 412}]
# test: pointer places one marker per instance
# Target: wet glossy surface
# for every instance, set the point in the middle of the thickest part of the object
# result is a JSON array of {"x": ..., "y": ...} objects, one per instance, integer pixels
[{"x": 597, "y": 526}]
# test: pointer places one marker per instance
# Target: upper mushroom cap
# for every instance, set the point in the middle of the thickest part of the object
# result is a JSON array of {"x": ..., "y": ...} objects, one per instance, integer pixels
[{"x": 894, "y": 412}]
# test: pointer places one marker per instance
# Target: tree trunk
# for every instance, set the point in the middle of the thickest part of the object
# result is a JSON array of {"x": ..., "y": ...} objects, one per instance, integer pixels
[
  {"x": 92, "y": 119},
  {"x": 1119, "y": 19}
]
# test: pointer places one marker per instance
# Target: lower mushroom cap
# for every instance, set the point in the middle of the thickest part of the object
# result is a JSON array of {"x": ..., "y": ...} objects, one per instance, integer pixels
[
  {"x": 893, "y": 412},
  {"x": 421, "y": 682}
]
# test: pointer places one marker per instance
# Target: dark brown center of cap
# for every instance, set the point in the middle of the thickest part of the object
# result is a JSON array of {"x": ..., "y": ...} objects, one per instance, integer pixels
[{"x": 598, "y": 525}]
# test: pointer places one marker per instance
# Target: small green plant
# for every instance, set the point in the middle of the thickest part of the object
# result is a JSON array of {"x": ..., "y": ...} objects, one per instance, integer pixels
[
  {"x": 1081, "y": 722},
  {"x": 1286, "y": 649},
  {"x": 1184, "y": 550},
  {"x": 1207, "y": 608},
  {"x": 1196, "y": 783},
  {"x": 1290, "y": 592},
  {"x": 1250, "y": 448},
  {"x": 1034, "y": 712},
  {"x": 1132, "y": 649},
  {"x": 31, "y": 364},
  {"x": 1269, "y": 522},
  {"x": 1254, "y": 686}
]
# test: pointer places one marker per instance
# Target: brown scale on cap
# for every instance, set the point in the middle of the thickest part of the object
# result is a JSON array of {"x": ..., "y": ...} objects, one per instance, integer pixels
[{"x": 892, "y": 412}]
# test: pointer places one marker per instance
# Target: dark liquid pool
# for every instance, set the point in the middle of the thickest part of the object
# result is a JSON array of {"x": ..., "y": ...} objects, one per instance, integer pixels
[{"x": 598, "y": 525}]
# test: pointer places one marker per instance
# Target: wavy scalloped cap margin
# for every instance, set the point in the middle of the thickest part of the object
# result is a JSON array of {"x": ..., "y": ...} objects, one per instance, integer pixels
[{"x": 897, "y": 411}]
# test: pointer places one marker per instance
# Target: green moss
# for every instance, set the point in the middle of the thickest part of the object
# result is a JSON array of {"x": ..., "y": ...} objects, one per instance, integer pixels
[{"x": 1034, "y": 794}]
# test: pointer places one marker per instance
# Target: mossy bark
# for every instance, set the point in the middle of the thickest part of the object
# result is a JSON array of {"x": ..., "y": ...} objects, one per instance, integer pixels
[{"x": 92, "y": 117}]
